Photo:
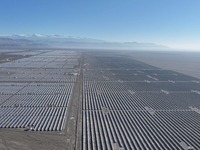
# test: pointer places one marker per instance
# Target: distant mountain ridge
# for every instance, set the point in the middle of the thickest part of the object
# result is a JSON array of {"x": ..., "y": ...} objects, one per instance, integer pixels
[
  {"x": 19, "y": 43},
  {"x": 62, "y": 41}
]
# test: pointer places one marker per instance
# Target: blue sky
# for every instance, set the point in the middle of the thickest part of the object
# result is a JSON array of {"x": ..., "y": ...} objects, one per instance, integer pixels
[{"x": 174, "y": 23}]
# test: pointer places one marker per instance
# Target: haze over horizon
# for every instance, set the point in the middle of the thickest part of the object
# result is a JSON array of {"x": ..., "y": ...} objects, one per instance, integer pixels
[{"x": 170, "y": 23}]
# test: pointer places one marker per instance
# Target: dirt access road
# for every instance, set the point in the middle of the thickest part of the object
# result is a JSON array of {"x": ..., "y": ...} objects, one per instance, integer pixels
[{"x": 18, "y": 139}]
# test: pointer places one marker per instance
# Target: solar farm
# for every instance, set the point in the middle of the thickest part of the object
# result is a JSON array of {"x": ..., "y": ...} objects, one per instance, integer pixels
[
  {"x": 35, "y": 91},
  {"x": 123, "y": 103},
  {"x": 128, "y": 104}
]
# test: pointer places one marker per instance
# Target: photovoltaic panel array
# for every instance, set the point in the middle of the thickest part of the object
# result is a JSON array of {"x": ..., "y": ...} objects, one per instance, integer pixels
[
  {"x": 128, "y": 104},
  {"x": 35, "y": 91}
]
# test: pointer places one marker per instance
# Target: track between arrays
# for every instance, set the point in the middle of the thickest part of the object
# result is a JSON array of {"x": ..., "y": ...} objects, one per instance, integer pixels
[{"x": 88, "y": 100}]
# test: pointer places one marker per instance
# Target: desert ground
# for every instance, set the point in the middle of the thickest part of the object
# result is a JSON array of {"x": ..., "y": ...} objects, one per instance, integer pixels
[{"x": 113, "y": 99}]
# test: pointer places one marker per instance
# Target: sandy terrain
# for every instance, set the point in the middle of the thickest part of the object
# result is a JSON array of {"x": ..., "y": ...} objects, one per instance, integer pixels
[
  {"x": 70, "y": 137},
  {"x": 183, "y": 62}
]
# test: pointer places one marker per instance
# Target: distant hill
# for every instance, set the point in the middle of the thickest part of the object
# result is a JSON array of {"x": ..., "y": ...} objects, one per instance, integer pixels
[
  {"x": 57, "y": 41},
  {"x": 19, "y": 43}
]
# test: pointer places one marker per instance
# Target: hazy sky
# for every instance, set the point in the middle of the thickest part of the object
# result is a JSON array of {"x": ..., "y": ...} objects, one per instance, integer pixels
[{"x": 174, "y": 23}]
